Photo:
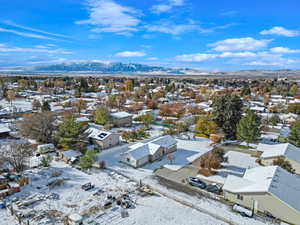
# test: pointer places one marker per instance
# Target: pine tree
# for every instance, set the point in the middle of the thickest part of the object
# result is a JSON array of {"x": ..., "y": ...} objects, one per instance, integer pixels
[
  {"x": 46, "y": 106},
  {"x": 248, "y": 129},
  {"x": 70, "y": 133},
  {"x": 294, "y": 137},
  {"x": 227, "y": 113},
  {"x": 86, "y": 161}
]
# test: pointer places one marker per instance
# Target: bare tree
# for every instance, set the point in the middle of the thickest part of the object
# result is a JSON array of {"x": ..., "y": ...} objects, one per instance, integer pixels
[
  {"x": 38, "y": 126},
  {"x": 10, "y": 96},
  {"x": 16, "y": 155}
]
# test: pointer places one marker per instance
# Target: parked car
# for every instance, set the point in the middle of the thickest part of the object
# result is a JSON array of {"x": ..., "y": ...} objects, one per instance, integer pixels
[
  {"x": 242, "y": 211},
  {"x": 214, "y": 188},
  {"x": 197, "y": 182},
  {"x": 87, "y": 186}
]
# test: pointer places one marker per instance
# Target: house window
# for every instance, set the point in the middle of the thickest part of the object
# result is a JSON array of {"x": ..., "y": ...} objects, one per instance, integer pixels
[
  {"x": 240, "y": 197},
  {"x": 128, "y": 160}
]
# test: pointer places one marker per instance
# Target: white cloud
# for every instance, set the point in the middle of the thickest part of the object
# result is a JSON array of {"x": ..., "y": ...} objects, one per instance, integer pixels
[
  {"x": 42, "y": 46},
  {"x": 10, "y": 23},
  {"x": 244, "y": 58},
  {"x": 152, "y": 58},
  {"x": 127, "y": 54},
  {"x": 33, "y": 50},
  {"x": 200, "y": 57},
  {"x": 25, "y": 34},
  {"x": 239, "y": 44},
  {"x": 237, "y": 55},
  {"x": 165, "y": 7},
  {"x": 281, "y": 31},
  {"x": 167, "y": 27},
  {"x": 278, "y": 62},
  {"x": 283, "y": 50},
  {"x": 108, "y": 16}
]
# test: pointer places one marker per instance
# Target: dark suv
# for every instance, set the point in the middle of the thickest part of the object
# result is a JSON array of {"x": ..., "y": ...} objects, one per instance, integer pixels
[{"x": 194, "y": 181}]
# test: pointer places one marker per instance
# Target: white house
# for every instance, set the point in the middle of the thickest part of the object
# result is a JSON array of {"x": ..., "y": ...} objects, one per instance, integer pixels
[
  {"x": 273, "y": 152},
  {"x": 268, "y": 189},
  {"x": 143, "y": 153},
  {"x": 104, "y": 139}
]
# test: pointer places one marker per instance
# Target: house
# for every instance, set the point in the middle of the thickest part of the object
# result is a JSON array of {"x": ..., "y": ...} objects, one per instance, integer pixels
[
  {"x": 272, "y": 152},
  {"x": 268, "y": 189},
  {"x": 70, "y": 156},
  {"x": 122, "y": 119},
  {"x": 142, "y": 153},
  {"x": 4, "y": 131},
  {"x": 103, "y": 139},
  {"x": 45, "y": 148}
]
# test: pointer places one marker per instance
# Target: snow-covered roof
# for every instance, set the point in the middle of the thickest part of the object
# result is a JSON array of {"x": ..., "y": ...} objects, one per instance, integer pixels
[
  {"x": 271, "y": 179},
  {"x": 70, "y": 154},
  {"x": 121, "y": 115},
  {"x": 82, "y": 119},
  {"x": 165, "y": 141},
  {"x": 288, "y": 150},
  {"x": 285, "y": 132},
  {"x": 4, "y": 129},
  {"x": 257, "y": 108},
  {"x": 97, "y": 134},
  {"x": 141, "y": 150}
]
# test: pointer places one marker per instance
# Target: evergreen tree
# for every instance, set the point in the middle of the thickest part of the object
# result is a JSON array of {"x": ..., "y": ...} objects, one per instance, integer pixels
[
  {"x": 294, "y": 137},
  {"x": 246, "y": 91},
  {"x": 46, "y": 106},
  {"x": 70, "y": 133},
  {"x": 86, "y": 161},
  {"x": 248, "y": 129},
  {"x": 227, "y": 113}
]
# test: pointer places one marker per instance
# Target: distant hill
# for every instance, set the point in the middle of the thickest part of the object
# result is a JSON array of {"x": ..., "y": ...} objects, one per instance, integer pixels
[{"x": 101, "y": 67}]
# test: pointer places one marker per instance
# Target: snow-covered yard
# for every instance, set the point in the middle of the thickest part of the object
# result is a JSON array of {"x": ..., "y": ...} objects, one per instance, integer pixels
[
  {"x": 150, "y": 210},
  {"x": 21, "y": 104},
  {"x": 145, "y": 174}
]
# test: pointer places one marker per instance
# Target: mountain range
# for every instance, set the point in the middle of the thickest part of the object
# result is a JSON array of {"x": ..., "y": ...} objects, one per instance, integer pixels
[{"x": 102, "y": 67}]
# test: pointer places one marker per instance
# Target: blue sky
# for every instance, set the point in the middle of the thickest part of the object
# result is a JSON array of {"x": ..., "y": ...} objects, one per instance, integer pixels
[{"x": 207, "y": 35}]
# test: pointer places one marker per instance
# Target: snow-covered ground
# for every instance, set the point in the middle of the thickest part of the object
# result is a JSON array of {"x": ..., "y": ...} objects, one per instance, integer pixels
[
  {"x": 163, "y": 209},
  {"x": 145, "y": 175},
  {"x": 22, "y": 104},
  {"x": 153, "y": 210}
]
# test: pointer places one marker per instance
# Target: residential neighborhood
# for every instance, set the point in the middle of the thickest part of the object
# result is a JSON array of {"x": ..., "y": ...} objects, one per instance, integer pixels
[{"x": 226, "y": 151}]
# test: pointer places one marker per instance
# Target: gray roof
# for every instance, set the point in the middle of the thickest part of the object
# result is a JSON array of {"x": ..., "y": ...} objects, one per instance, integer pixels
[
  {"x": 165, "y": 141},
  {"x": 139, "y": 152},
  {"x": 71, "y": 154},
  {"x": 286, "y": 149},
  {"x": 4, "y": 129},
  {"x": 150, "y": 148},
  {"x": 121, "y": 115},
  {"x": 271, "y": 179}
]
